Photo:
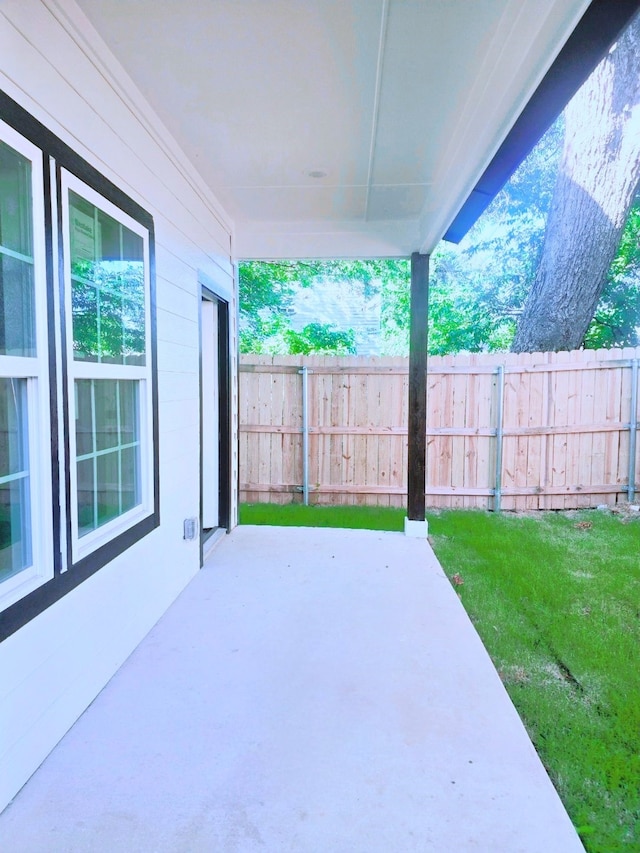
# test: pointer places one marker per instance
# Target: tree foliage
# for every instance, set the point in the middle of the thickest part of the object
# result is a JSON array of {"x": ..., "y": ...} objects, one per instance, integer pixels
[
  {"x": 267, "y": 291},
  {"x": 320, "y": 339}
]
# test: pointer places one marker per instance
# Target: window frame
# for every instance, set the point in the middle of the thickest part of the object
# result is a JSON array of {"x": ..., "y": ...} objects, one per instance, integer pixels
[
  {"x": 35, "y": 371},
  {"x": 82, "y": 546},
  {"x": 67, "y": 566}
]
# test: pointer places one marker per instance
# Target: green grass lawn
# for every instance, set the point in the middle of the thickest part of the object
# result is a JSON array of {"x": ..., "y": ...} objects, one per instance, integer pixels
[
  {"x": 298, "y": 515},
  {"x": 556, "y": 600}
]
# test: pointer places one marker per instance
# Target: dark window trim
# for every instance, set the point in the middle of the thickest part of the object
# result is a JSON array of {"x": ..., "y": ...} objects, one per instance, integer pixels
[
  {"x": 53, "y": 367},
  {"x": 36, "y": 132},
  {"x": 64, "y": 373},
  {"x": 27, "y": 608},
  {"x": 596, "y": 31}
]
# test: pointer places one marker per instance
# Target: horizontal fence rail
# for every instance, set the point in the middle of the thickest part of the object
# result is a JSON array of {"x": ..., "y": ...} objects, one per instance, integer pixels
[{"x": 509, "y": 431}]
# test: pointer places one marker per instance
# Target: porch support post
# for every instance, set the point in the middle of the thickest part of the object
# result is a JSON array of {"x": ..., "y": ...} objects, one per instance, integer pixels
[{"x": 415, "y": 523}]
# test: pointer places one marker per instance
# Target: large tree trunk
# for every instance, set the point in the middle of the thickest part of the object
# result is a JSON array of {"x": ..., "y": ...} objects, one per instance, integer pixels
[{"x": 597, "y": 180}]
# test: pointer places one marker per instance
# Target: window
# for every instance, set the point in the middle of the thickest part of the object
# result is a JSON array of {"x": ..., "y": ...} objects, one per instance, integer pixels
[
  {"x": 78, "y": 382},
  {"x": 107, "y": 451},
  {"x": 26, "y": 559},
  {"x": 108, "y": 339}
]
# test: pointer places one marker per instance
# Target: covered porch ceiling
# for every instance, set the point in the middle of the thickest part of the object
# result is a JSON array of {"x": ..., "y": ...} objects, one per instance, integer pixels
[{"x": 337, "y": 128}]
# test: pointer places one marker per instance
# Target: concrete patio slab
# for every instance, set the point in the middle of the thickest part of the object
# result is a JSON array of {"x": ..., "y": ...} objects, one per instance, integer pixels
[{"x": 311, "y": 690}]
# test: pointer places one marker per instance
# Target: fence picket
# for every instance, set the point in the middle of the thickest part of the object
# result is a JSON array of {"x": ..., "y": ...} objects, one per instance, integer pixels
[{"x": 566, "y": 429}]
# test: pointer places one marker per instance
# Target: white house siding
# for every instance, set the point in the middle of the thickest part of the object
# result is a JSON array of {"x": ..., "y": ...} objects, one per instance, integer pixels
[{"x": 54, "y": 65}]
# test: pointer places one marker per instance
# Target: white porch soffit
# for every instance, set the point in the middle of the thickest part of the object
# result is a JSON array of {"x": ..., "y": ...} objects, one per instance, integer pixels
[{"x": 333, "y": 128}]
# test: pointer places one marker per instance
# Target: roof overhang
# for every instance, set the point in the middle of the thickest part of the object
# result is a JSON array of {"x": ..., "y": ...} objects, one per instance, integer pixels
[
  {"x": 351, "y": 128},
  {"x": 588, "y": 44}
]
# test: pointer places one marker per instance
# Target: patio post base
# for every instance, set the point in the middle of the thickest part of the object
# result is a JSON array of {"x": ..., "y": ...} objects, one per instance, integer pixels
[{"x": 416, "y": 529}]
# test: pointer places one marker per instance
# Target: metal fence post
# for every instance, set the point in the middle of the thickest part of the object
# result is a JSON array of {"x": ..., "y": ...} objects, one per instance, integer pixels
[
  {"x": 633, "y": 431},
  {"x": 305, "y": 435},
  {"x": 497, "y": 495}
]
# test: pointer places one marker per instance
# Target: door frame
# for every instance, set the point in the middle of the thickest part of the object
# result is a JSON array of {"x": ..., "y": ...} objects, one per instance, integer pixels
[{"x": 209, "y": 292}]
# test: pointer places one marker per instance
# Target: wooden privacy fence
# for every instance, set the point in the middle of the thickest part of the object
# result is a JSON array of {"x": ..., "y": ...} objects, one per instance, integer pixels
[{"x": 507, "y": 431}]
